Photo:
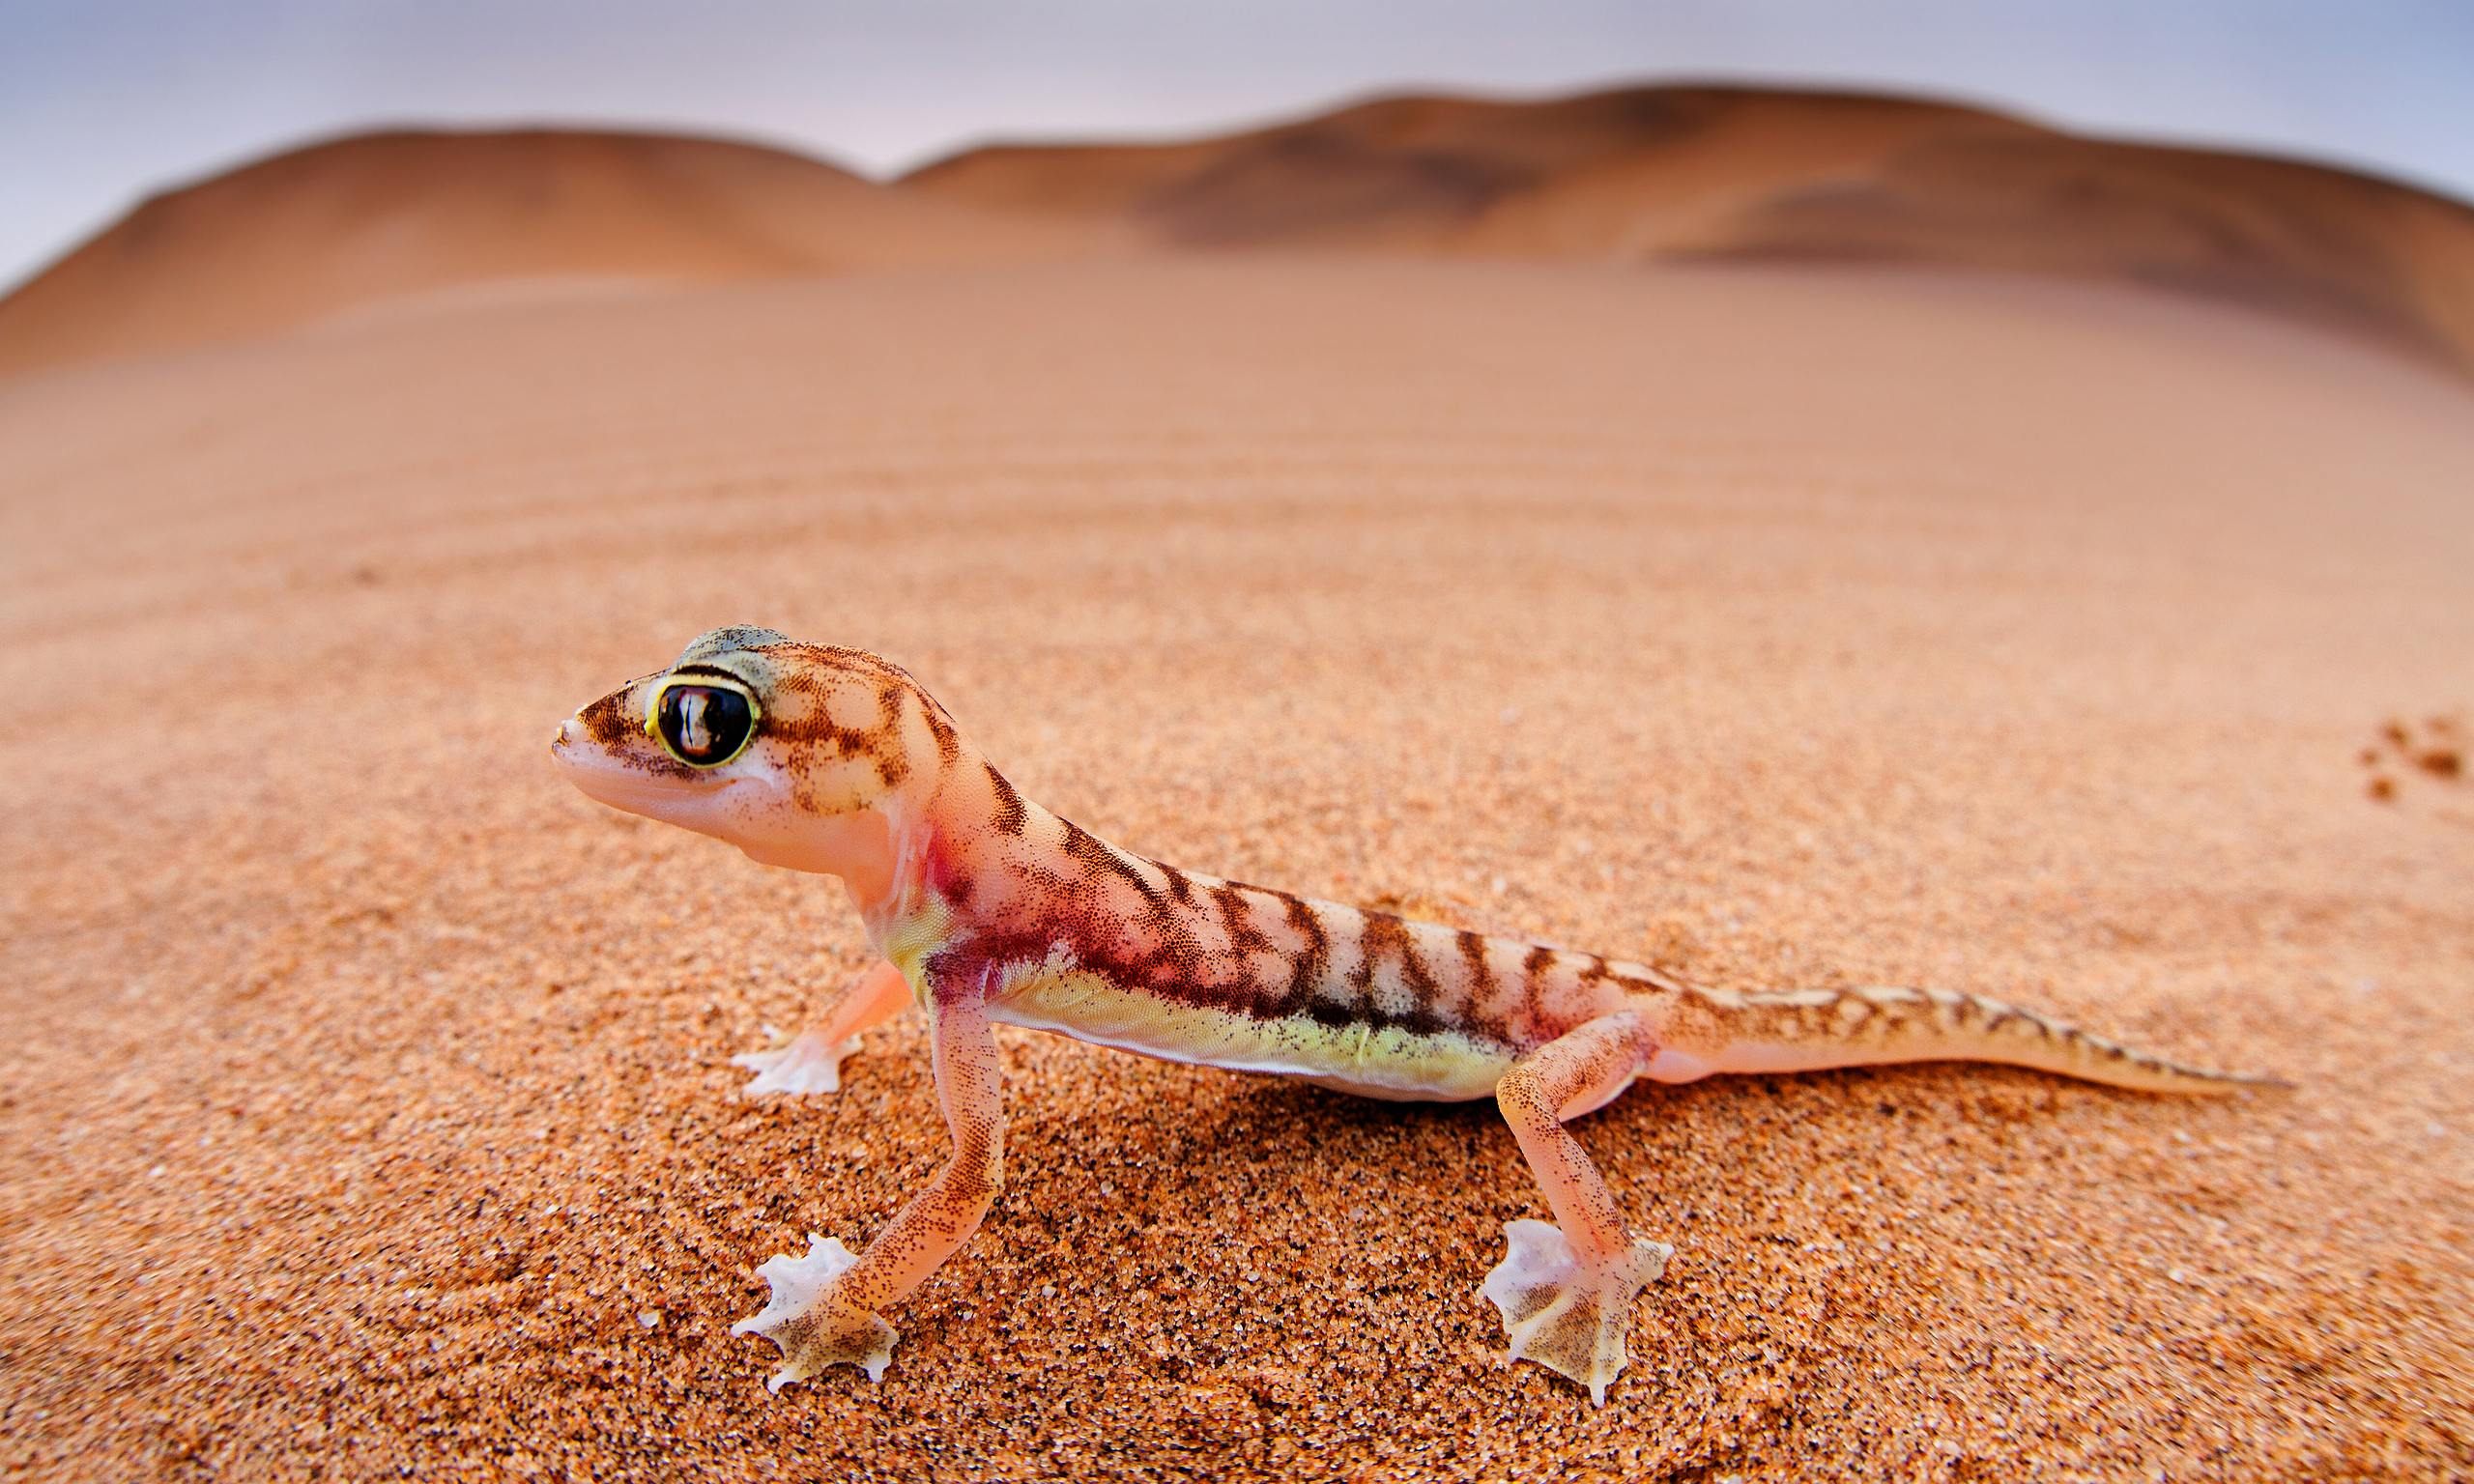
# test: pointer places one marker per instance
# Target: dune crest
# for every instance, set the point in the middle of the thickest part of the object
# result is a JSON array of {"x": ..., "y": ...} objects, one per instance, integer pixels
[{"x": 1682, "y": 173}]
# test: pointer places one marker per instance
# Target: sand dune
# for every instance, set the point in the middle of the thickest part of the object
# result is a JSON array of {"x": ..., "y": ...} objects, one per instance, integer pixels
[
  {"x": 1417, "y": 171},
  {"x": 363, "y": 1096},
  {"x": 2323, "y": 245},
  {"x": 358, "y": 222},
  {"x": 1699, "y": 173},
  {"x": 1766, "y": 173},
  {"x": 1639, "y": 173}
]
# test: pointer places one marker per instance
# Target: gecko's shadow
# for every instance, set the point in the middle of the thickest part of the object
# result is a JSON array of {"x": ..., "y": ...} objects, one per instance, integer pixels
[{"x": 1279, "y": 1131}]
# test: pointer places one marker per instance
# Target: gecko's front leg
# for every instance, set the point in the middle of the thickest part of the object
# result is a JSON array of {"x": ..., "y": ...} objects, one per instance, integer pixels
[
  {"x": 825, "y": 1304},
  {"x": 812, "y": 1062}
]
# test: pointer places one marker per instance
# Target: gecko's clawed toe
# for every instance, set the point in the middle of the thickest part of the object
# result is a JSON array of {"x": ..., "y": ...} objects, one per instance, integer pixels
[
  {"x": 808, "y": 1063},
  {"x": 811, "y": 1324},
  {"x": 1565, "y": 1314}
]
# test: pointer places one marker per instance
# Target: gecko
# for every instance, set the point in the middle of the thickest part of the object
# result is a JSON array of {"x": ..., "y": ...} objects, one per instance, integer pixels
[{"x": 984, "y": 909}]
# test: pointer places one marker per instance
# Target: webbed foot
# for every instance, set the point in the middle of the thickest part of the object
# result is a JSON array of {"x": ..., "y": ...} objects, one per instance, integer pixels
[
  {"x": 808, "y": 1063},
  {"x": 1567, "y": 1315},
  {"x": 811, "y": 1324}
]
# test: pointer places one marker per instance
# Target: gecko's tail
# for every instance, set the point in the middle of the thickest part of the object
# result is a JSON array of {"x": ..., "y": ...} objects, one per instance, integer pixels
[{"x": 1810, "y": 1030}]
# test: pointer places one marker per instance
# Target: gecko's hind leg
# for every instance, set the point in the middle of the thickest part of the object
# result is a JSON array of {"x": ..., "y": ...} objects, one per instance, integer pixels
[
  {"x": 1566, "y": 1288},
  {"x": 812, "y": 1061}
]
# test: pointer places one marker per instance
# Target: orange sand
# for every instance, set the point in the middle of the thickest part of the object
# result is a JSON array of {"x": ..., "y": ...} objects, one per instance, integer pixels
[{"x": 365, "y": 1106}]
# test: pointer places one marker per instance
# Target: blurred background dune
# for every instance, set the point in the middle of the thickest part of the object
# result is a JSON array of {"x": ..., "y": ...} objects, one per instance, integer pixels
[
  {"x": 1639, "y": 173},
  {"x": 359, "y": 222}
]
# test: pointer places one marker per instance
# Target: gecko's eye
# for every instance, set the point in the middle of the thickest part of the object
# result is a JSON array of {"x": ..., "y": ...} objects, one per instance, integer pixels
[{"x": 700, "y": 724}]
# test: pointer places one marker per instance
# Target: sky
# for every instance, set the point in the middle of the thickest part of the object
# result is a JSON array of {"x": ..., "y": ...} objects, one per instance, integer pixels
[{"x": 103, "y": 101}]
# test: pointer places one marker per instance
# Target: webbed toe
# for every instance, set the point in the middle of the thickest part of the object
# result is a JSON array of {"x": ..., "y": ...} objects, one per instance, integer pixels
[
  {"x": 1565, "y": 1314},
  {"x": 806, "y": 1064},
  {"x": 807, "y": 1320}
]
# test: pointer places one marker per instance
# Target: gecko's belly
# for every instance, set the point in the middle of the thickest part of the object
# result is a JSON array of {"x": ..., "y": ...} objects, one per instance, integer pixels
[{"x": 1359, "y": 1058}]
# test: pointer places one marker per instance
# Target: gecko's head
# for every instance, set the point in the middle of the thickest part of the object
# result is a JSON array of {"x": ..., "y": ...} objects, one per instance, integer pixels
[{"x": 778, "y": 747}]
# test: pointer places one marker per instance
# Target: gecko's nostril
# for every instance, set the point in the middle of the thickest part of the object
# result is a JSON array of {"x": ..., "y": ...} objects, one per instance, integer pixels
[{"x": 566, "y": 733}]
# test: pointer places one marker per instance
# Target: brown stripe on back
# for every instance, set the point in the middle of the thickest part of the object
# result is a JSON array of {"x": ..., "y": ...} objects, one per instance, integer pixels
[
  {"x": 1381, "y": 932},
  {"x": 1533, "y": 982},
  {"x": 1307, "y": 969},
  {"x": 891, "y": 764},
  {"x": 883, "y": 741},
  {"x": 1237, "y": 922},
  {"x": 949, "y": 742},
  {"x": 1474, "y": 1017},
  {"x": 1050, "y": 888},
  {"x": 1010, "y": 814},
  {"x": 1091, "y": 850},
  {"x": 1482, "y": 977},
  {"x": 1386, "y": 935},
  {"x": 1178, "y": 962},
  {"x": 1414, "y": 969}
]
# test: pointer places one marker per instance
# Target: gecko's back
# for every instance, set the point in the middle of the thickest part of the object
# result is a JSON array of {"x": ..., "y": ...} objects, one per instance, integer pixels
[{"x": 1077, "y": 935}]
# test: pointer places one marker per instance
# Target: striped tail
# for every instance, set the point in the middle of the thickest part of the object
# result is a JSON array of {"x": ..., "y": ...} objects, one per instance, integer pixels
[{"x": 1810, "y": 1029}]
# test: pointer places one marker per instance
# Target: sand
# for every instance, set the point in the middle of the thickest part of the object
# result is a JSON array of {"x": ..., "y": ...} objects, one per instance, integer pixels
[{"x": 365, "y": 1106}]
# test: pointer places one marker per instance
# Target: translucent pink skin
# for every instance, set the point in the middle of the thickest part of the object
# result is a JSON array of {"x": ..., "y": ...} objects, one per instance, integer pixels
[{"x": 988, "y": 909}]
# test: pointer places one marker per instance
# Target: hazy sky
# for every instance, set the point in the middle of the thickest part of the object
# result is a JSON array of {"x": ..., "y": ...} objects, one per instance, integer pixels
[{"x": 103, "y": 100}]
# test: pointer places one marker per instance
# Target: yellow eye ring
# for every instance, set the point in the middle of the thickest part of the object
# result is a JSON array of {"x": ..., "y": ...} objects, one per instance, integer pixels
[{"x": 678, "y": 747}]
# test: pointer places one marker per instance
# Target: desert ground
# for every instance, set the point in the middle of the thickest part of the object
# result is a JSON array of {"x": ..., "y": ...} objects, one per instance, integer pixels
[{"x": 364, "y": 1101}]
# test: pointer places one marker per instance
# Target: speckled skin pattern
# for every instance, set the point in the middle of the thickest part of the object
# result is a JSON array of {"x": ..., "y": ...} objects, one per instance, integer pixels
[{"x": 987, "y": 909}]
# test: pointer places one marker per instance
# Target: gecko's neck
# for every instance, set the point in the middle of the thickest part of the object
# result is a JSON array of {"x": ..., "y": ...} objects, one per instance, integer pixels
[{"x": 914, "y": 878}]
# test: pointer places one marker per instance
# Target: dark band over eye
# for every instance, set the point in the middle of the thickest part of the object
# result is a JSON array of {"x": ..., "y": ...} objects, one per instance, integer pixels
[{"x": 702, "y": 724}]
